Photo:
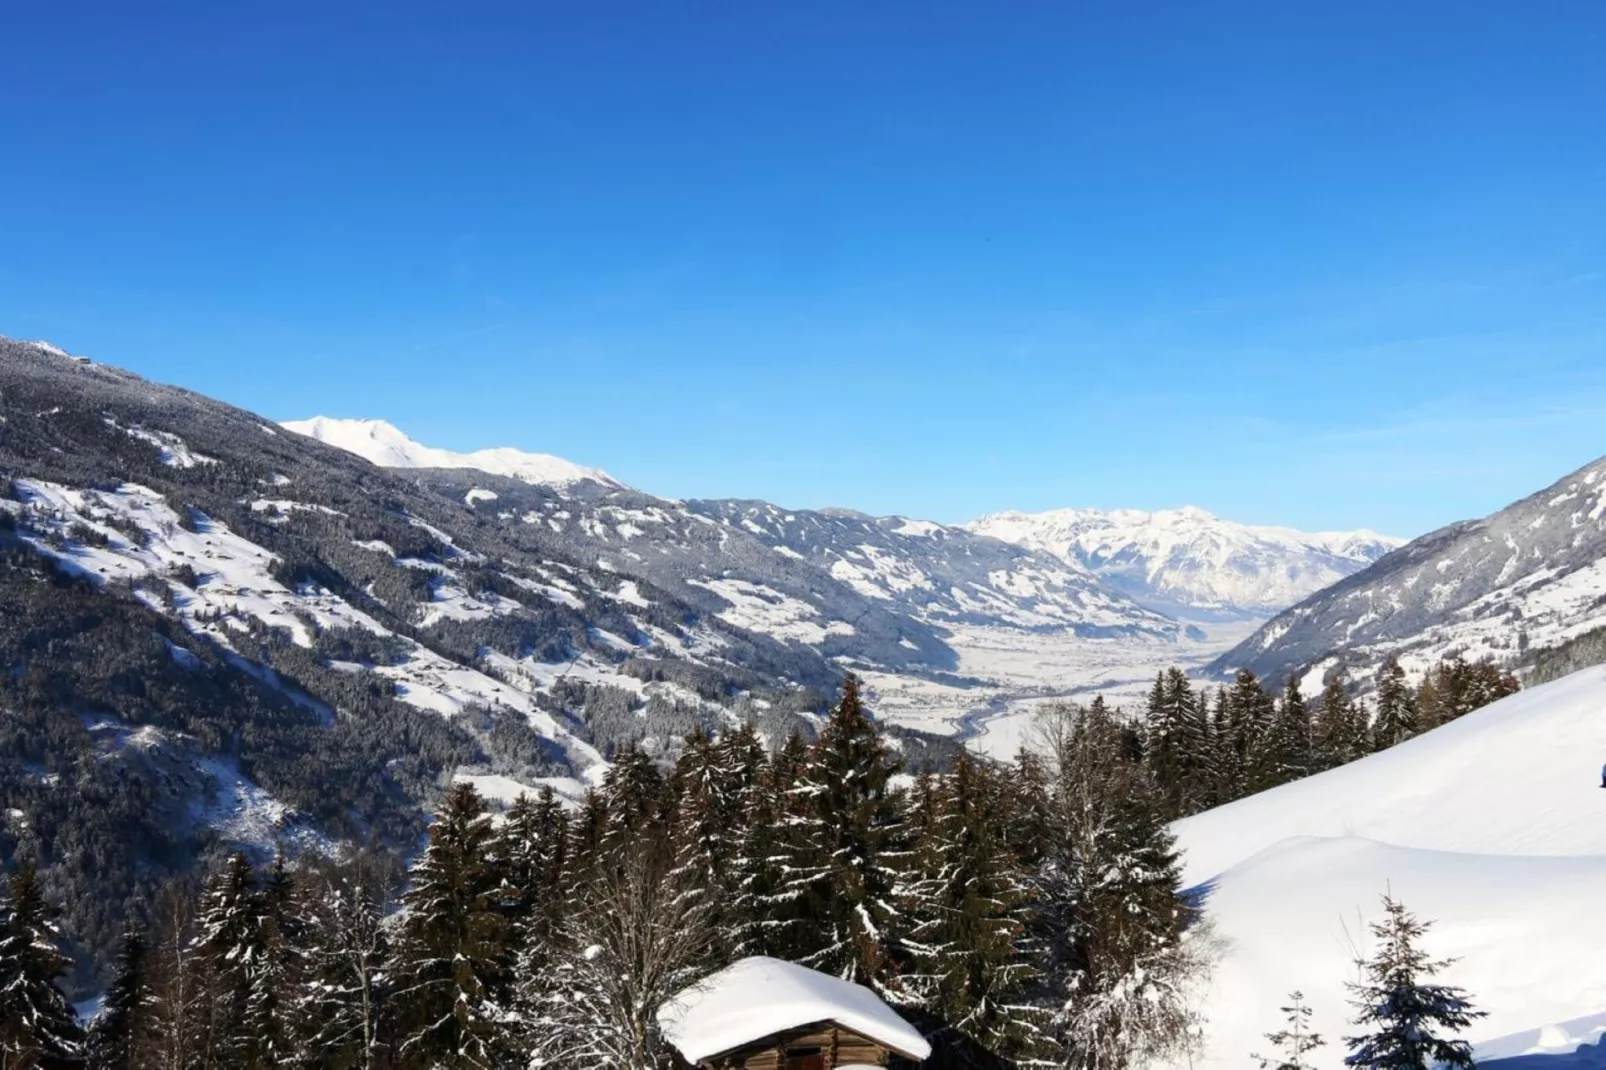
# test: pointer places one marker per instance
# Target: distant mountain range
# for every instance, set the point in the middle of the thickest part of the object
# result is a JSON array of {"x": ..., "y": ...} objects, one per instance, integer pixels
[{"x": 1186, "y": 560}]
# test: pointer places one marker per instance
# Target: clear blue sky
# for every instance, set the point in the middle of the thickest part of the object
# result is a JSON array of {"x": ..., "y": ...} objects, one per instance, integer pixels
[{"x": 1329, "y": 264}]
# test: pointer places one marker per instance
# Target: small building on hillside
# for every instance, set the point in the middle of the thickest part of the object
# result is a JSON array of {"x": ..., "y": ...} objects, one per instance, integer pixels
[{"x": 765, "y": 1014}]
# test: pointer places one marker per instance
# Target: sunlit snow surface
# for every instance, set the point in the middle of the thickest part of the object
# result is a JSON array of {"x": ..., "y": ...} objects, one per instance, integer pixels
[
  {"x": 758, "y": 997},
  {"x": 1493, "y": 827},
  {"x": 388, "y": 447}
]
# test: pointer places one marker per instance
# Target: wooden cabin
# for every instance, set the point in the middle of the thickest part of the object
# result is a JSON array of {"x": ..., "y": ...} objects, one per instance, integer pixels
[{"x": 766, "y": 1014}]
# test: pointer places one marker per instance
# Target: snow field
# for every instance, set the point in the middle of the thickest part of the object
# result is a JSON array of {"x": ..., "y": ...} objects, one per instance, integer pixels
[{"x": 1492, "y": 827}]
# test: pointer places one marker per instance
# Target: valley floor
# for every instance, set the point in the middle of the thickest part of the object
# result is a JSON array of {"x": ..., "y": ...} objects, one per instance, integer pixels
[{"x": 1015, "y": 672}]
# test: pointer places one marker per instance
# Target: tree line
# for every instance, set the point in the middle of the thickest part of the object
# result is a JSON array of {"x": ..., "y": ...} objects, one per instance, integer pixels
[
  {"x": 1205, "y": 750},
  {"x": 1024, "y": 915}
]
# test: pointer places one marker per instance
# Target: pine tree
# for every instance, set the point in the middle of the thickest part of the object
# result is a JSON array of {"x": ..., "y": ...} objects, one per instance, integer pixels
[
  {"x": 37, "y": 1025},
  {"x": 457, "y": 946},
  {"x": 969, "y": 903},
  {"x": 1294, "y": 1041},
  {"x": 1395, "y": 721},
  {"x": 1288, "y": 742},
  {"x": 842, "y": 854},
  {"x": 1406, "y": 1018},
  {"x": 1339, "y": 727},
  {"x": 120, "y": 1034},
  {"x": 228, "y": 947},
  {"x": 1175, "y": 743},
  {"x": 1249, "y": 715},
  {"x": 1110, "y": 907},
  {"x": 273, "y": 1005}
]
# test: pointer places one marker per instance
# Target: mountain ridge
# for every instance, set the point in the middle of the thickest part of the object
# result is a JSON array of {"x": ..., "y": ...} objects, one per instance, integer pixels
[
  {"x": 1187, "y": 559},
  {"x": 1527, "y": 577}
]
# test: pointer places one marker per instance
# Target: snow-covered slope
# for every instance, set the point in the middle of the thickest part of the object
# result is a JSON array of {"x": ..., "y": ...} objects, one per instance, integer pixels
[
  {"x": 1188, "y": 559},
  {"x": 1493, "y": 827},
  {"x": 1530, "y": 576},
  {"x": 388, "y": 447}
]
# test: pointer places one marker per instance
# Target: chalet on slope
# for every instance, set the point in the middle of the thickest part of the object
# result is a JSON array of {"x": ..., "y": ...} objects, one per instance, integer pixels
[{"x": 765, "y": 1014}]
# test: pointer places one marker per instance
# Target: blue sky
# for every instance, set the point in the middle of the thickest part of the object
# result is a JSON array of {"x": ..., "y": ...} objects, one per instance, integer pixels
[{"x": 1326, "y": 264}]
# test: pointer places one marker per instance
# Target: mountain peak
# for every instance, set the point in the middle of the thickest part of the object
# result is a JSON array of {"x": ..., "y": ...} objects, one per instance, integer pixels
[
  {"x": 388, "y": 446},
  {"x": 1188, "y": 558}
]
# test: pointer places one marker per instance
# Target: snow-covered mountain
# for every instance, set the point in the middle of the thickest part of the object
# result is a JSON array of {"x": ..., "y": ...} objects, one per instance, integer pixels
[
  {"x": 386, "y": 446},
  {"x": 1181, "y": 560},
  {"x": 868, "y": 589},
  {"x": 1528, "y": 577},
  {"x": 1490, "y": 827}
]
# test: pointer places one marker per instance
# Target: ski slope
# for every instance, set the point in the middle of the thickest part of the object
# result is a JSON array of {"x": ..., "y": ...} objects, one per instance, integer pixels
[{"x": 1492, "y": 827}]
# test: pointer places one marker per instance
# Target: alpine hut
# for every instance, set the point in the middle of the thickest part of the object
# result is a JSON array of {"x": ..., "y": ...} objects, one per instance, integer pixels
[{"x": 765, "y": 1014}]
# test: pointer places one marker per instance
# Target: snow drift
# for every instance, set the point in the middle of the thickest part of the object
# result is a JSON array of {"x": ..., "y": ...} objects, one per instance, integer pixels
[{"x": 1493, "y": 827}]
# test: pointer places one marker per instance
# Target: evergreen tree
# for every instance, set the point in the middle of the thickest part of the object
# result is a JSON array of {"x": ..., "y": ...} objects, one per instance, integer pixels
[
  {"x": 1249, "y": 715},
  {"x": 119, "y": 1036},
  {"x": 969, "y": 902},
  {"x": 457, "y": 946},
  {"x": 1294, "y": 1041},
  {"x": 1395, "y": 721},
  {"x": 842, "y": 853},
  {"x": 229, "y": 950},
  {"x": 1175, "y": 743},
  {"x": 1288, "y": 742},
  {"x": 1110, "y": 906},
  {"x": 37, "y": 1025},
  {"x": 1406, "y": 1018},
  {"x": 1339, "y": 728},
  {"x": 273, "y": 1006}
]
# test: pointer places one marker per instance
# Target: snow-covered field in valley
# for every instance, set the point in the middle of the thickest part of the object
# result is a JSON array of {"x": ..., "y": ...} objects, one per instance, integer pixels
[
  {"x": 1493, "y": 828},
  {"x": 1012, "y": 672}
]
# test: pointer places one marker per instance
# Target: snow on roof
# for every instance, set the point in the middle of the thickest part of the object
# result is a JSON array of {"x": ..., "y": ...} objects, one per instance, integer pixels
[{"x": 759, "y": 997}]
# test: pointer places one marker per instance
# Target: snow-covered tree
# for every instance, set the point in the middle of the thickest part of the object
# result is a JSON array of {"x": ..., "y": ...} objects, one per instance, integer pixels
[
  {"x": 630, "y": 939},
  {"x": 1110, "y": 910},
  {"x": 37, "y": 1025},
  {"x": 1407, "y": 1021},
  {"x": 967, "y": 903},
  {"x": 842, "y": 852},
  {"x": 1396, "y": 719},
  {"x": 1338, "y": 727},
  {"x": 1295, "y": 1041},
  {"x": 228, "y": 947},
  {"x": 345, "y": 985},
  {"x": 121, "y": 1032},
  {"x": 1287, "y": 745},
  {"x": 456, "y": 946}
]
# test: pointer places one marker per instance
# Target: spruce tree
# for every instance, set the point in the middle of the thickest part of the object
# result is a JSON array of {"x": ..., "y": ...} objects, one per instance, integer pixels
[
  {"x": 1110, "y": 907},
  {"x": 119, "y": 1035},
  {"x": 1294, "y": 1042},
  {"x": 457, "y": 946},
  {"x": 228, "y": 947},
  {"x": 1250, "y": 713},
  {"x": 1175, "y": 742},
  {"x": 842, "y": 853},
  {"x": 1339, "y": 726},
  {"x": 969, "y": 902},
  {"x": 1407, "y": 1020},
  {"x": 1288, "y": 742},
  {"x": 37, "y": 1025},
  {"x": 1395, "y": 721}
]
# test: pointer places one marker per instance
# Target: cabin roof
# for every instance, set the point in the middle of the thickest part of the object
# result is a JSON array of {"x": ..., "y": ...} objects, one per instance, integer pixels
[{"x": 759, "y": 997}]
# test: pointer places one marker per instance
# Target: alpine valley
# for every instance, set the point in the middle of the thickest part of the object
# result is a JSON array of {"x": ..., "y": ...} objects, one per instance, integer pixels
[{"x": 224, "y": 632}]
